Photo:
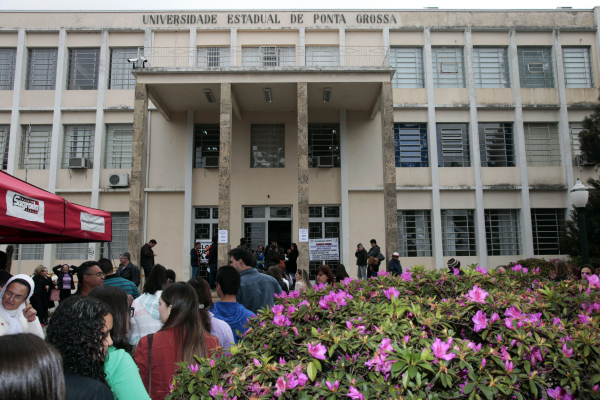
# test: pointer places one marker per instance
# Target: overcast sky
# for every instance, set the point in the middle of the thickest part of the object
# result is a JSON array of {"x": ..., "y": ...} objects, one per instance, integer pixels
[{"x": 285, "y": 4}]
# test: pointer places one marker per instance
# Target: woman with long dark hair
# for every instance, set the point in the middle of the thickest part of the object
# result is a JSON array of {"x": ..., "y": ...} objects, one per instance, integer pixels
[
  {"x": 340, "y": 273},
  {"x": 291, "y": 266},
  {"x": 146, "y": 319},
  {"x": 179, "y": 340},
  {"x": 324, "y": 275},
  {"x": 278, "y": 275},
  {"x": 80, "y": 331},
  {"x": 30, "y": 369},
  {"x": 122, "y": 374},
  {"x": 303, "y": 280},
  {"x": 220, "y": 329}
]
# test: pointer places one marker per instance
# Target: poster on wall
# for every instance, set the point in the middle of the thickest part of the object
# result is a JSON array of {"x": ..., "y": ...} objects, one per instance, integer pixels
[
  {"x": 323, "y": 249},
  {"x": 204, "y": 244},
  {"x": 223, "y": 236}
]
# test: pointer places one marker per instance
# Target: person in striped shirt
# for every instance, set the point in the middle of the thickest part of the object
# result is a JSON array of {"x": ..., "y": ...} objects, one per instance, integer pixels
[{"x": 110, "y": 279}]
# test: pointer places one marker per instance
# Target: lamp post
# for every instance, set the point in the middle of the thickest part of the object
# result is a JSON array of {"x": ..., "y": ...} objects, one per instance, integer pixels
[{"x": 579, "y": 195}]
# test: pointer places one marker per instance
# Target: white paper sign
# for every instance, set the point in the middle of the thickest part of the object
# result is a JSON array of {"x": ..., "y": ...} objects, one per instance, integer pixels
[
  {"x": 323, "y": 249},
  {"x": 303, "y": 235},
  {"x": 24, "y": 207},
  {"x": 204, "y": 244},
  {"x": 91, "y": 223},
  {"x": 91, "y": 252},
  {"x": 223, "y": 236}
]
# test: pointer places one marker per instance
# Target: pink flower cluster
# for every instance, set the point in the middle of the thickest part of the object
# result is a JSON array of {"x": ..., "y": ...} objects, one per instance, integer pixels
[
  {"x": 523, "y": 319},
  {"x": 519, "y": 268},
  {"x": 280, "y": 319},
  {"x": 338, "y": 299},
  {"x": 294, "y": 379},
  {"x": 440, "y": 349},
  {"x": 391, "y": 292},
  {"x": 480, "y": 320},
  {"x": 560, "y": 394},
  {"x": 317, "y": 350},
  {"x": 477, "y": 295},
  {"x": 481, "y": 270},
  {"x": 379, "y": 360}
]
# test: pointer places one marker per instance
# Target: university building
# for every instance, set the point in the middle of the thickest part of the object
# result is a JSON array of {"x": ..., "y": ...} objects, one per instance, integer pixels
[{"x": 439, "y": 133}]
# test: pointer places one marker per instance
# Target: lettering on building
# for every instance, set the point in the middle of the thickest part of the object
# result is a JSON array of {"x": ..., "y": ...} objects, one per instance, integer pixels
[
  {"x": 253, "y": 19},
  {"x": 329, "y": 18},
  {"x": 376, "y": 19},
  {"x": 179, "y": 19}
]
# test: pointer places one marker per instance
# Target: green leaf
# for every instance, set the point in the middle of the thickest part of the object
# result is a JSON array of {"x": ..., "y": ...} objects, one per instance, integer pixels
[
  {"x": 487, "y": 391},
  {"x": 412, "y": 371},
  {"x": 317, "y": 364},
  {"x": 586, "y": 350},
  {"x": 469, "y": 388},
  {"x": 533, "y": 388},
  {"x": 311, "y": 371},
  {"x": 398, "y": 366},
  {"x": 405, "y": 381}
]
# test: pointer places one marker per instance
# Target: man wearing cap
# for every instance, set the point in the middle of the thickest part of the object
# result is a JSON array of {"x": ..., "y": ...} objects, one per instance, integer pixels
[
  {"x": 454, "y": 265},
  {"x": 361, "y": 261},
  {"x": 394, "y": 266}
]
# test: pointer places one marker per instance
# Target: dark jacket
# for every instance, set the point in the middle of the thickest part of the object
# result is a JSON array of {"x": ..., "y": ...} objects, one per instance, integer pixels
[
  {"x": 147, "y": 256},
  {"x": 361, "y": 257},
  {"x": 213, "y": 254},
  {"x": 130, "y": 272},
  {"x": 195, "y": 257},
  {"x": 373, "y": 252},
  {"x": 292, "y": 265},
  {"x": 58, "y": 272},
  {"x": 394, "y": 267},
  {"x": 257, "y": 290},
  {"x": 40, "y": 287},
  {"x": 81, "y": 387}
]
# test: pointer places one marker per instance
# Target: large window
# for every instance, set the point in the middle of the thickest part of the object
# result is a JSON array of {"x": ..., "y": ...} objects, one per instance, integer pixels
[
  {"x": 414, "y": 233},
  {"x": 7, "y": 68},
  {"x": 578, "y": 67},
  {"x": 542, "y": 144},
  {"x": 453, "y": 145},
  {"x": 490, "y": 65},
  {"x": 119, "y": 146},
  {"x": 120, "y": 236},
  {"x": 207, "y": 141},
  {"x": 578, "y": 159},
  {"x": 548, "y": 225},
  {"x": 322, "y": 56},
  {"x": 408, "y": 62},
  {"x": 72, "y": 251},
  {"x": 41, "y": 69},
  {"x": 410, "y": 145},
  {"x": 503, "y": 232},
  {"x": 448, "y": 67},
  {"x": 324, "y": 223},
  {"x": 535, "y": 67},
  {"x": 83, "y": 69},
  {"x": 497, "y": 144},
  {"x": 120, "y": 76},
  {"x": 458, "y": 233},
  {"x": 323, "y": 145},
  {"x": 206, "y": 223},
  {"x": 29, "y": 252},
  {"x": 214, "y": 56},
  {"x": 267, "y": 144},
  {"x": 4, "y": 135},
  {"x": 78, "y": 143},
  {"x": 268, "y": 56},
  {"x": 35, "y": 146}
]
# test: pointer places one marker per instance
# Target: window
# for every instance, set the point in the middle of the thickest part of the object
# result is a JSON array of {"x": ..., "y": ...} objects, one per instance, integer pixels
[
  {"x": 323, "y": 223},
  {"x": 497, "y": 144},
  {"x": 207, "y": 141},
  {"x": 408, "y": 62},
  {"x": 35, "y": 146},
  {"x": 548, "y": 225},
  {"x": 4, "y": 135},
  {"x": 490, "y": 65},
  {"x": 414, "y": 233},
  {"x": 267, "y": 142},
  {"x": 322, "y": 56},
  {"x": 120, "y": 76},
  {"x": 119, "y": 146},
  {"x": 41, "y": 69},
  {"x": 503, "y": 232},
  {"x": 258, "y": 221},
  {"x": 29, "y": 251},
  {"x": 268, "y": 56},
  {"x": 72, "y": 251},
  {"x": 458, "y": 233},
  {"x": 578, "y": 68},
  {"x": 7, "y": 68},
  {"x": 578, "y": 160},
  {"x": 453, "y": 145},
  {"x": 83, "y": 69},
  {"x": 448, "y": 67},
  {"x": 206, "y": 223},
  {"x": 120, "y": 236},
  {"x": 214, "y": 56},
  {"x": 410, "y": 145},
  {"x": 78, "y": 143},
  {"x": 323, "y": 145},
  {"x": 542, "y": 144},
  {"x": 535, "y": 67}
]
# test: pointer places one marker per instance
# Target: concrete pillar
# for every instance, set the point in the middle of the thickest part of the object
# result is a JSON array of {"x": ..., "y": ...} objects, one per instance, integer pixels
[
  {"x": 15, "y": 117},
  {"x": 342, "y": 34},
  {"x": 188, "y": 217},
  {"x": 193, "y": 48},
  {"x": 345, "y": 209},
  {"x": 225, "y": 171},
  {"x": 475, "y": 154},
  {"x": 234, "y": 52},
  {"x": 302, "y": 51},
  {"x": 137, "y": 184},
  {"x": 390, "y": 203},
  {"x": 303, "y": 171}
]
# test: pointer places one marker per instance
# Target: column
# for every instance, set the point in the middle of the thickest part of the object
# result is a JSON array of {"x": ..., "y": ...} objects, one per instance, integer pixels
[
  {"x": 225, "y": 171},
  {"x": 390, "y": 202},
  {"x": 345, "y": 209},
  {"x": 436, "y": 214},
  {"x": 342, "y": 34},
  {"x": 137, "y": 185},
  {"x": 15, "y": 117},
  {"x": 193, "y": 47},
  {"x": 521, "y": 154},
  {"x": 234, "y": 50},
  {"x": 303, "y": 171},
  {"x": 302, "y": 41},
  {"x": 188, "y": 216},
  {"x": 475, "y": 154}
]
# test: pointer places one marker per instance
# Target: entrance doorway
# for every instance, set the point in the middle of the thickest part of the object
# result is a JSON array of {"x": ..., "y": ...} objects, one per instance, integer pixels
[
  {"x": 262, "y": 223},
  {"x": 281, "y": 232}
]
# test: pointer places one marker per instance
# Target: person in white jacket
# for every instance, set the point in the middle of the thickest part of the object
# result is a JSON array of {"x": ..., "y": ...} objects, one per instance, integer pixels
[
  {"x": 146, "y": 319},
  {"x": 16, "y": 314}
]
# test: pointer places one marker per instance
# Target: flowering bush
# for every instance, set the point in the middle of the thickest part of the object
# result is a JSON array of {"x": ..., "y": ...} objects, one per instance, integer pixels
[{"x": 425, "y": 334}]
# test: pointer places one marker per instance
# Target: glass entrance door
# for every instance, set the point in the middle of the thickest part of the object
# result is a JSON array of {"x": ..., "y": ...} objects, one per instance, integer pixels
[{"x": 263, "y": 223}]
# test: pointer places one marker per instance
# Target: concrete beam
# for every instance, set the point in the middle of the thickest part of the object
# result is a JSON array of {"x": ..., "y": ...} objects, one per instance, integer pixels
[
  {"x": 159, "y": 104},
  {"x": 237, "y": 110},
  {"x": 376, "y": 105},
  {"x": 225, "y": 171},
  {"x": 303, "y": 259}
]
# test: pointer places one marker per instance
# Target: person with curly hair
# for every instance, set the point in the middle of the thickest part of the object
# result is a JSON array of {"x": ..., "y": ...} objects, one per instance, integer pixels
[
  {"x": 122, "y": 374},
  {"x": 80, "y": 331},
  {"x": 180, "y": 339}
]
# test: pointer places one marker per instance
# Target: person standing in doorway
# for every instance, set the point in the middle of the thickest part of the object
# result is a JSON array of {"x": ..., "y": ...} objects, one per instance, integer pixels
[
  {"x": 147, "y": 257},
  {"x": 361, "y": 261},
  {"x": 213, "y": 257},
  {"x": 195, "y": 257}
]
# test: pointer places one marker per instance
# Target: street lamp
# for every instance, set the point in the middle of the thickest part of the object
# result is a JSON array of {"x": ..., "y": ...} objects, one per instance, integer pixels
[{"x": 579, "y": 195}]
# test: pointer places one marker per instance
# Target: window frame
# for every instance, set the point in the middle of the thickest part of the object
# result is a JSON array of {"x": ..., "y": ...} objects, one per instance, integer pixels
[
  {"x": 119, "y": 75},
  {"x": 206, "y": 56},
  {"x": 8, "y": 62},
  {"x": 325, "y": 222},
  {"x": 420, "y": 234},
  {"x": 547, "y": 240},
  {"x": 449, "y": 144},
  {"x": 78, "y": 147},
  {"x": 491, "y": 67},
  {"x": 442, "y": 55},
  {"x": 511, "y": 237},
  {"x": 268, "y": 56},
  {"x": 4, "y": 144},
  {"x": 464, "y": 222},
  {"x": 124, "y": 159},
  {"x": 314, "y": 142},
  {"x": 322, "y": 56},
  {"x": 404, "y": 67},
  {"x": 408, "y": 146},
  {"x": 41, "y": 142},
  {"x": 529, "y": 74},
  {"x": 544, "y": 154},
  {"x": 278, "y": 134},
  {"x": 120, "y": 236},
  {"x": 572, "y": 81},
  {"x": 507, "y": 159},
  {"x": 77, "y": 77},
  {"x": 212, "y": 139},
  {"x": 38, "y": 65}
]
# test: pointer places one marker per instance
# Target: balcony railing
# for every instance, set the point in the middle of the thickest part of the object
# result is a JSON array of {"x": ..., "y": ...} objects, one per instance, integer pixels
[{"x": 266, "y": 57}]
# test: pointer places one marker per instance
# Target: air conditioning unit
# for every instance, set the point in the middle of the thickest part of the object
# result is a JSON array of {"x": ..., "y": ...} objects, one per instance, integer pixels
[
  {"x": 210, "y": 162},
  {"x": 324, "y": 162},
  {"x": 80, "y": 163},
  {"x": 118, "y": 180}
]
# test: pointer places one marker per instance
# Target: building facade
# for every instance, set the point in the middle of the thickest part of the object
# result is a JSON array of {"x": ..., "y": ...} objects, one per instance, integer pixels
[{"x": 438, "y": 133}]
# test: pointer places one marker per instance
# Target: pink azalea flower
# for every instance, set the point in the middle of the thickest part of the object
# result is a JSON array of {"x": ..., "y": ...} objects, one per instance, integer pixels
[
  {"x": 304, "y": 303},
  {"x": 277, "y": 310},
  {"x": 474, "y": 347},
  {"x": 291, "y": 309},
  {"x": 584, "y": 319},
  {"x": 517, "y": 268},
  {"x": 280, "y": 386},
  {"x": 483, "y": 363},
  {"x": 294, "y": 294},
  {"x": 508, "y": 323},
  {"x": 480, "y": 320},
  {"x": 440, "y": 349},
  {"x": 513, "y": 312},
  {"x": 406, "y": 276},
  {"x": 477, "y": 295},
  {"x": 216, "y": 390},
  {"x": 495, "y": 317},
  {"x": 333, "y": 386},
  {"x": 355, "y": 394},
  {"x": 171, "y": 387},
  {"x": 256, "y": 362},
  {"x": 281, "y": 320},
  {"x": 348, "y": 324},
  {"x": 481, "y": 270},
  {"x": 560, "y": 394},
  {"x": 536, "y": 271},
  {"x": 212, "y": 363},
  {"x": 193, "y": 368},
  {"x": 386, "y": 345},
  {"x": 525, "y": 270},
  {"x": 508, "y": 366},
  {"x": 281, "y": 361},
  {"x": 594, "y": 281},
  {"x": 456, "y": 271},
  {"x": 391, "y": 292},
  {"x": 406, "y": 339},
  {"x": 317, "y": 351}
]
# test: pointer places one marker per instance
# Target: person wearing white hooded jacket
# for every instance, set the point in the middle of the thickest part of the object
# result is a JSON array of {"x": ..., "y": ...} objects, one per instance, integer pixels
[
  {"x": 16, "y": 314},
  {"x": 146, "y": 318}
]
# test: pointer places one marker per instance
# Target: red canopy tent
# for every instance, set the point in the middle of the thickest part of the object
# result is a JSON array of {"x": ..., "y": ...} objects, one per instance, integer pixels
[{"x": 29, "y": 214}]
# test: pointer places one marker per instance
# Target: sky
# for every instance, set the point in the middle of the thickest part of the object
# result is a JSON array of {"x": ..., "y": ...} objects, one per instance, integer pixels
[{"x": 286, "y": 5}]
